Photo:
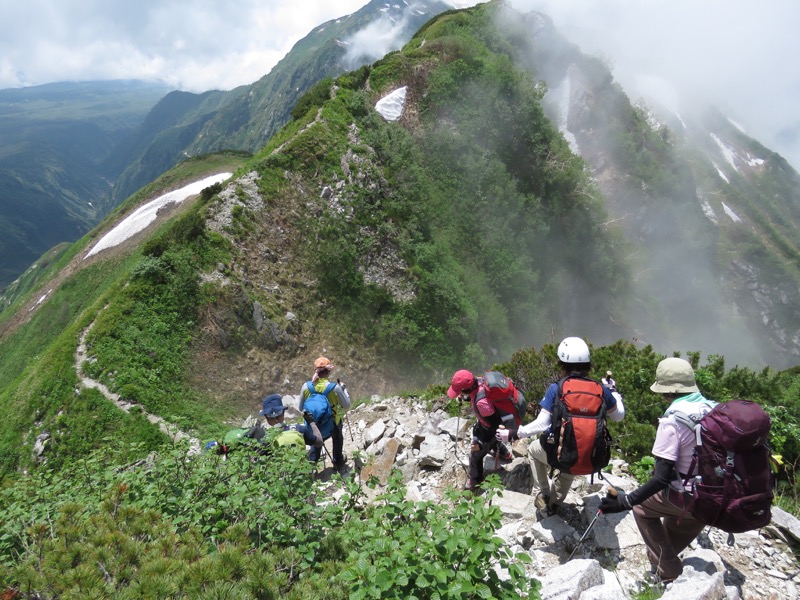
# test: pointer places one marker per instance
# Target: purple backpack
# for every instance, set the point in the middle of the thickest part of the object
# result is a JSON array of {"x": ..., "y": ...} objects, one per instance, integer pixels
[{"x": 733, "y": 486}]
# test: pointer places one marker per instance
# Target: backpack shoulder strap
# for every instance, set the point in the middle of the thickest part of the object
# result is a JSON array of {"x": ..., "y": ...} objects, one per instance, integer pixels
[
  {"x": 328, "y": 388},
  {"x": 560, "y": 383},
  {"x": 687, "y": 420},
  {"x": 310, "y": 387},
  {"x": 691, "y": 421}
]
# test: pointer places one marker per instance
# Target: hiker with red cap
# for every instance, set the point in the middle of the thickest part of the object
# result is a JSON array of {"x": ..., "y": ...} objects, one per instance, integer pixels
[
  {"x": 496, "y": 402},
  {"x": 319, "y": 388}
]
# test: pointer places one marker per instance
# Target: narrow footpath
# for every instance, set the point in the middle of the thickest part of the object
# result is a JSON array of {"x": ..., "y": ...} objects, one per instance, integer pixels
[{"x": 167, "y": 428}]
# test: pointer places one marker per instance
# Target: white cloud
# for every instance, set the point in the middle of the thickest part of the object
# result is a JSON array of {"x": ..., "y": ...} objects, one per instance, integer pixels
[
  {"x": 196, "y": 45},
  {"x": 730, "y": 51},
  {"x": 737, "y": 54}
]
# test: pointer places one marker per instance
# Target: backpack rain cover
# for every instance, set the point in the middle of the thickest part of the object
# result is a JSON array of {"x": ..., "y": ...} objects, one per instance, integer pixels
[{"x": 320, "y": 407}]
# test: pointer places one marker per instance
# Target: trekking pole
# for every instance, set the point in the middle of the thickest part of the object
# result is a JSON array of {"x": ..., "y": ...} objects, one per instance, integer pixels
[
  {"x": 346, "y": 418},
  {"x": 458, "y": 432},
  {"x": 332, "y": 463},
  {"x": 611, "y": 493}
]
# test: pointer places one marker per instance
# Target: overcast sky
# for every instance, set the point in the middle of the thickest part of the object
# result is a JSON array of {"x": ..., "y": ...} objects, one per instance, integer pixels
[{"x": 741, "y": 54}]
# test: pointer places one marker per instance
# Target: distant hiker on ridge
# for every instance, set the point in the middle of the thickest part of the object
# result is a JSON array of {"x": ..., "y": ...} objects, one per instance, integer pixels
[
  {"x": 313, "y": 396},
  {"x": 586, "y": 403}
]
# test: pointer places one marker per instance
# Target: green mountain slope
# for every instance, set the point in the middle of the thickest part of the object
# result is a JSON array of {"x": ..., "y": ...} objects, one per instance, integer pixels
[
  {"x": 460, "y": 235},
  {"x": 452, "y": 237},
  {"x": 246, "y": 117},
  {"x": 445, "y": 239},
  {"x": 55, "y": 178},
  {"x": 710, "y": 214}
]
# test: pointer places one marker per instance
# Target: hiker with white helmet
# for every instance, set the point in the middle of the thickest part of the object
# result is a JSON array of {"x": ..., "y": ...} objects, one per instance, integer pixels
[
  {"x": 575, "y": 403},
  {"x": 339, "y": 399},
  {"x": 667, "y": 528}
]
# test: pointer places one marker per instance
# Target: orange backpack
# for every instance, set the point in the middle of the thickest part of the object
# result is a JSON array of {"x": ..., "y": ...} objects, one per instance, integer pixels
[{"x": 578, "y": 442}]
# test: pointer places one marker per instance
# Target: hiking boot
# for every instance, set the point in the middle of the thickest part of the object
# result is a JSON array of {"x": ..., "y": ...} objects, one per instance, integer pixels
[
  {"x": 541, "y": 501},
  {"x": 340, "y": 465},
  {"x": 472, "y": 485},
  {"x": 653, "y": 578}
]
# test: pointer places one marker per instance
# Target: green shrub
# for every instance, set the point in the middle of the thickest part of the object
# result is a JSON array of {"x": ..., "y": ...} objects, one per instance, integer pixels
[{"x": 434, "y": 550}]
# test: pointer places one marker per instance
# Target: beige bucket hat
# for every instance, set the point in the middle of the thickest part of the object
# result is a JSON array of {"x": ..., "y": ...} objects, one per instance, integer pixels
[{"x": 674, "y": 376}]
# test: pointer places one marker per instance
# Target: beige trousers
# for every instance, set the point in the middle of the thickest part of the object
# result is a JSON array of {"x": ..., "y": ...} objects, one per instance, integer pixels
[{"x": 558, "y": 488}]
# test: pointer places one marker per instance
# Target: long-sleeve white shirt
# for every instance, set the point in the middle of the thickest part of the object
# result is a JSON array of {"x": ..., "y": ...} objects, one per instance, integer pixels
[{"x": 545, "y": 419}]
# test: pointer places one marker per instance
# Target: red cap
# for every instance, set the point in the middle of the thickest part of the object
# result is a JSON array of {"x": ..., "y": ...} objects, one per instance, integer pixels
[{"x": 462, "y": 380}]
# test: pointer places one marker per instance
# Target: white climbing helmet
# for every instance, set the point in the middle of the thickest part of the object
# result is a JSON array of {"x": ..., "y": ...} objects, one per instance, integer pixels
[{"x": 573, "y": 350}]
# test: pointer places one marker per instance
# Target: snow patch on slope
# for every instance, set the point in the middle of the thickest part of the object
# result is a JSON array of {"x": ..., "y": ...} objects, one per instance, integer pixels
[
  {"x": 729, "y": 211},
  {"x": 733, "y": 158},
  {"x": 561, "y": 96},
  {"x": 391, "y": 106},
  {"x": 147, "y": 213}
]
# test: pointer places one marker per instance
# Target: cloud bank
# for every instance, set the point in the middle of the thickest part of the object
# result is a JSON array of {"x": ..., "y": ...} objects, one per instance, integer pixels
[{"x": 738, "y": 54}]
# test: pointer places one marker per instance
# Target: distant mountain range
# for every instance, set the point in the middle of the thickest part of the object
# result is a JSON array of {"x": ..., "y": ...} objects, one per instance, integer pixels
[
  {"x": 69, "y": 152},
  {"x": 58, "y": 144}
]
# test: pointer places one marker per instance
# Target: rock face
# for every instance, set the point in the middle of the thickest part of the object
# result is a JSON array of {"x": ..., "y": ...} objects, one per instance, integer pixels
[{"x": 431, "y": 449}]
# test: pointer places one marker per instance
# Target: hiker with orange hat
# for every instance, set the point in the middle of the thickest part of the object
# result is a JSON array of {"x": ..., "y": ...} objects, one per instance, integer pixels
[{"x": 339, "y": 399}]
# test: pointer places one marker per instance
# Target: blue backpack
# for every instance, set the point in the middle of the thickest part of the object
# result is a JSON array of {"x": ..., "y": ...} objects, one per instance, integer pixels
[{"x": 320, "y": 408}]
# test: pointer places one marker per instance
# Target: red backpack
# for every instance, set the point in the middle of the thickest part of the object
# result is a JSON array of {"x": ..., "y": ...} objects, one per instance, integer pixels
[
  {"x": 733, "y": 486},
  {"x": 578, "y": 442},
  {"x": 503, "y": 395}
]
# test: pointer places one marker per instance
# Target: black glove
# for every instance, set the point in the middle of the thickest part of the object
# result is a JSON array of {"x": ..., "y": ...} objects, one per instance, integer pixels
[
  {"x": 614, "y": 504},
  {"x": 308, "y": 416}
]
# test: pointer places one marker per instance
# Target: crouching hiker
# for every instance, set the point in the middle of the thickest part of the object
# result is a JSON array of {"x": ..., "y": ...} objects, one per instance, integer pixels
[
  {"x": 496, "y": 402},
  {"x": 572, "y": 423},
  {"x": 281, "y": 433},
  {"x": 666, "y": 528}
]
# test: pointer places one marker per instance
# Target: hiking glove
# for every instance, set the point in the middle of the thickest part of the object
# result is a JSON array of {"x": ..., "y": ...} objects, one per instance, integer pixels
[
  {"x": 476, "y": 444},
  {"x": 308, "y": 417},
  {"x": 506, "y": 435},
  {"x": 615, "y": 504}
]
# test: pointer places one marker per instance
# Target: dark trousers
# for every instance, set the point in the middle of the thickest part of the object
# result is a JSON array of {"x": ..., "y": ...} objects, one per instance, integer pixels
[
  {"x": 487, "y": 442},
  {"x": 338, "y": 444},
  {"x": 666, "y": 530}
]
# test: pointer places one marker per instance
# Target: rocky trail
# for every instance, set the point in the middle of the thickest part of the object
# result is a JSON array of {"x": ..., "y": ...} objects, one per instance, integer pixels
[
  {"x": 167, "y": 428},
  {"x": 431, "y": 450}
]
